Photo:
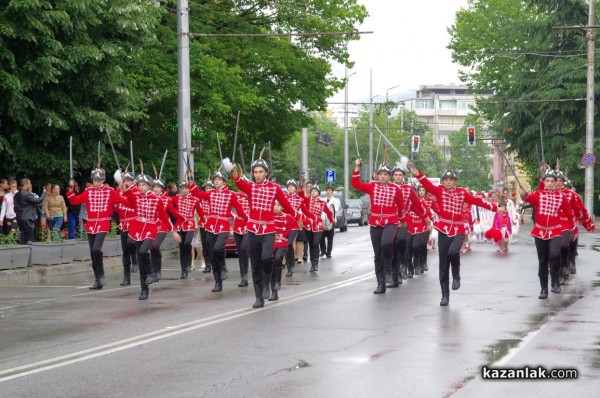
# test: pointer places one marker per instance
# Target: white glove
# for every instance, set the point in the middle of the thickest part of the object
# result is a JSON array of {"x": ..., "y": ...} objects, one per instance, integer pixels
[
  {"x": 227, "y": 164},
  {"x": 117, "y": 176}
]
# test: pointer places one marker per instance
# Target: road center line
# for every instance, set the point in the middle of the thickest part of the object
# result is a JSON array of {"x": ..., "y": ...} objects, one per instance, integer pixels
[{"x": 170, "y": 331}]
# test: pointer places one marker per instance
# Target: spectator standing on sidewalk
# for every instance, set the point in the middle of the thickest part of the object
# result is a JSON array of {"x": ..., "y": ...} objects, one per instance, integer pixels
[
  {"x": 55, "y": 209},
  {"x": 8, "y": 218},
  {"x": 334, "y": 205},
  {"x": 3, "y": 188},
  {"x": 73, "y": 214},
  {"x": 25, "y": 205}
]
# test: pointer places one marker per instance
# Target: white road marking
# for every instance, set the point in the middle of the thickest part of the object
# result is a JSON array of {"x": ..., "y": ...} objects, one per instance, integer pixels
[{"x": 167, "y": 332}]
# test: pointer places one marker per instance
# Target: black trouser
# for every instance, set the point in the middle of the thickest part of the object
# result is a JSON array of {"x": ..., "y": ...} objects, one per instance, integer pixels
[
  {"x": 573, "y": 251},
  {"x": 26, "y": 227},
  {"x": 185, "y": 249},
  {"x": 382, "y": 239},
  {"x": 128, "y": 248},
  {"x": 565, "y": 244},
  {"x": 216, "y": 242},
  {"x": 399, "y": 262},
  {"x": 418, "y": 248},
  {"x": 143, "y": 252},
  {"x": 155, "y": 253},
  {"x": 96, "y": 241},
  {"x": 205, "y": 248},
  {"x": 290, "y": 256},
  {"x": 261, "y": 258},
  {"x": 327, "y": 242},
  {"x": 314, "y": 239},
  {"x": 449, "y": 256},
  {"x": 8, "y": 225},
  {"x": 548, "y": 251},
  {"x": 241, "y": 242},
  {"x": 277, "y": 267}
]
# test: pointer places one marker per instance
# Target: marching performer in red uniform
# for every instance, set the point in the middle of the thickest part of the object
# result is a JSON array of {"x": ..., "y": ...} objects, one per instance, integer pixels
[
  {"x": 418, "y": 228},
  {"x": 549, "y": 204},
  {"x": 159, "y": 189},
  {"x": 261, "y": 221},
  {"x": 126, "y": 216},
  {"x": 386, "y": 204},
  {"x": 188, "y": 206},
  {"x": 570, "y": 233},
  {"x": 586, "y": 221},
  {"x": 284, "y": 225},
  {"x": 450, "y": 225},
  {"x": 241, "y": 238},
  {"x": 217, "y": 223},
  {"x": 316, "y": 206},
  {"x": 205, "y": 204},
  {"x": 99, "y": 201},
  {"x": 402, "y": 261},
  {"x": 149, "y": 210},
  {"x": 297, "y": 202}
]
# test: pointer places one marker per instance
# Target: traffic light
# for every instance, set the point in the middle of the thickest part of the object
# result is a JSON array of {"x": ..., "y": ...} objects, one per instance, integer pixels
[
  {"x": 471, "y": 136},
  {"x": 416, "y": 141}
]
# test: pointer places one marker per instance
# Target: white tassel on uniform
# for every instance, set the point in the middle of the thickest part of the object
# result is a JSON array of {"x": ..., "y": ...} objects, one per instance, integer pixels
[{"x": 118, "y": 177}]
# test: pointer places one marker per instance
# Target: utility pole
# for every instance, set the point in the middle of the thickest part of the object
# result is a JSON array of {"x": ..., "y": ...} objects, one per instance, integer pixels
[
  {"x": 370, "y": 125},
  {"x": 589, "y": 111},
  {"x": 184, "y": 123},
  {"x": 346, "y": 149},
  {"x": 304, "y": 152}
]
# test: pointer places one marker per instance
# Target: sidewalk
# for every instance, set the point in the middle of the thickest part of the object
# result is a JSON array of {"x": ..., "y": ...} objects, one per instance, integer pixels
[{"x": 40, "y": 273}]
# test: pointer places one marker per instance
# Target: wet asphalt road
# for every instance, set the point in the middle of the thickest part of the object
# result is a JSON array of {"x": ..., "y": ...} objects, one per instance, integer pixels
[{"x": 328, "y": 335}]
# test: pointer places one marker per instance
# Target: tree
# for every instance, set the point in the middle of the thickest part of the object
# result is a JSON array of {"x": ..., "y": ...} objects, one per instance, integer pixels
[
  {"x": 537, "y": 74},
  {"x": 471, "y": 162}
]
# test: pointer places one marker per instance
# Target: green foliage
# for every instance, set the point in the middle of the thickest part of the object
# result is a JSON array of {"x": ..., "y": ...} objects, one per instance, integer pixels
[
  {"x": 82, "y": 233},
  {"x": 472, "y": 163},
  {"x": 9, "y": 240},
  {"x": 114, "y": 228},
  {"x": 56, "y": 235}
]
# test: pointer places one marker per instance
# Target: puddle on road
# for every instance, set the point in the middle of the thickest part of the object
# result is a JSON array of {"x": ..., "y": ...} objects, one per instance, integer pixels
[
  {"x": 301, "y": 364},
  {"x": 499, "y": 349}
]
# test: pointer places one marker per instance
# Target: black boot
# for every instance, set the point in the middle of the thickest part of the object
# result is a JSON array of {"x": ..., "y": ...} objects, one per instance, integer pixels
[
  {"x": 96, "y": 285},
  {"x": 456, "y": 283},
  {"x": 445, "y": 294},
  {"x": 218, "y": 287},
  {"x": 410, "y": 271},
  {"x": 206, "y": 270},
  {"x": 266, "y": 286},
  {"x": 149, "y": 278},
  {"x": 134, "y": 267},
  {"x": 543, "y": 294},
  {"x": 555, "y": 287},
  {"x": 275, "y": 284},
  {"x": 224, "y": 273},
  {"x": 417, "y": 264},
  {"x": 126, "y": 275},
  {"x": 243, "y": 282},
  {"x": 289, "y": 271},
  {"x": 312, "y": 269},
  {"x": 258, "y": 292},
  {"x": 144, "y": 294},
  {"x": 184, "y": 274},
  {"x": 244, "y": 274},
  {"x": 395, "y": 281}
]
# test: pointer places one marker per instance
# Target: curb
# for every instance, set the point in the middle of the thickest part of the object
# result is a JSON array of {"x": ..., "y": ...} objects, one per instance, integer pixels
[{"x": 41, "y": 273}]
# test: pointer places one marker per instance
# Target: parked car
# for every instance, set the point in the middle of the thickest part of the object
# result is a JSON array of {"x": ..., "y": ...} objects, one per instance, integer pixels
[
  {"x": 358, "y": 212},
  {"x": 341, "y": 214}
]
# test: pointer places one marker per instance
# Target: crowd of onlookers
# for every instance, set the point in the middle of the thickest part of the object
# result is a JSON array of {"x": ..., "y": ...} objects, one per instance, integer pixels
[{"x": 35, "y": 216}]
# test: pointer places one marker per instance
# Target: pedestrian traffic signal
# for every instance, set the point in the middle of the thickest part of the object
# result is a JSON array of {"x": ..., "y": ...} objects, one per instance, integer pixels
[
  {"x": 471, "y": 136},
  {"x": 416, "y": 141}
]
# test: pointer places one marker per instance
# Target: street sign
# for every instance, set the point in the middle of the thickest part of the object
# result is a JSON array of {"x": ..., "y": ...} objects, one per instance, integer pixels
[
  {"x": 589, "y": 159},
  {"x": 330, "y": 176}
]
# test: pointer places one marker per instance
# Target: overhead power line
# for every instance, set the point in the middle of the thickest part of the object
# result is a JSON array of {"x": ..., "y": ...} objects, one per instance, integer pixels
[{"x": 197, "y": 35}]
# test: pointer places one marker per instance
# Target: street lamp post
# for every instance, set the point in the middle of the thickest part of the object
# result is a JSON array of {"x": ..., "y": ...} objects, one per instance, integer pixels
[{"x": 346, "y": 146}]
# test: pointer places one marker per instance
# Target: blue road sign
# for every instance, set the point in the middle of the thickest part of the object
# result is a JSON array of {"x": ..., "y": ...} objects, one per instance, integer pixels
[{"x": 330, "y": 176}]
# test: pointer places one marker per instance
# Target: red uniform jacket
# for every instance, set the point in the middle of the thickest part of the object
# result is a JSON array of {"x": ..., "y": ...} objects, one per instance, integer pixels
[
  {"x": 187, "y": 206},
  {"x": 411, "y": 202},
  {"x": 416, "y": 223},
  {"x": 284, "y": 223},
  {"x": 449, "y": 206},
  {"x": 548, "y": 207},
  {"x": 99, "y": 204},
  {"x": 126, "y": 215},
  {"x": 261, "y": 197},
  {"x": 221, "y": 202},
  {"x": 316, "y": 206},
  {"x": 387, "y": 201},
  {"x": 149, "y": 210},
  {"x": 239, "y": 223},
  {"x": 297, "y": 202},
  {"x": 168, "y": 204}
]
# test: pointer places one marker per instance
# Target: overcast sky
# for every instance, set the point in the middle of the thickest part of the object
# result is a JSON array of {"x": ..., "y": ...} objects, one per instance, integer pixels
[{"x": 407, "y": 48}]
